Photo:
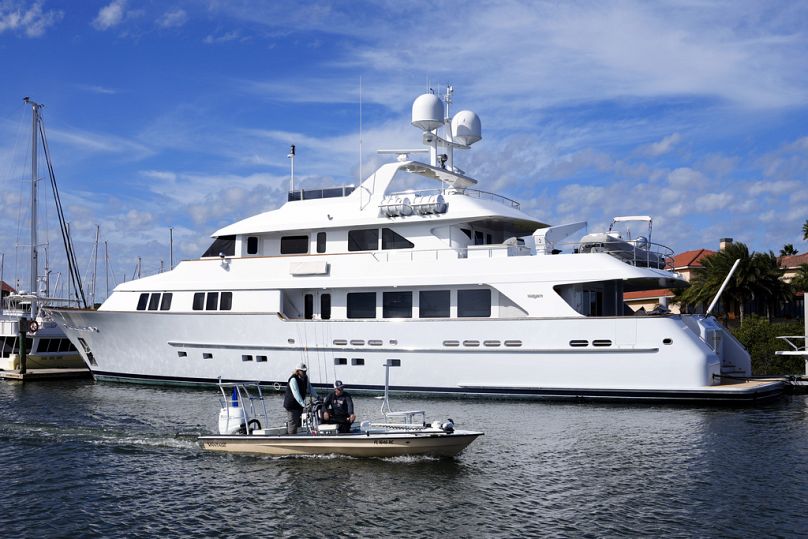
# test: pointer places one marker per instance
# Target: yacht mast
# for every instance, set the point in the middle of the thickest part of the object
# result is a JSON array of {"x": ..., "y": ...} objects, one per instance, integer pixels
[{"x": 34, "y": 255}]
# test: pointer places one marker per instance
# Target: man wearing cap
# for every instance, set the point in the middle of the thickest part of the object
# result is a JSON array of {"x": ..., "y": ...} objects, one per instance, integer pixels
[
  {"x": 297, "y": 388},
  {"x": 338, "y": 407}
]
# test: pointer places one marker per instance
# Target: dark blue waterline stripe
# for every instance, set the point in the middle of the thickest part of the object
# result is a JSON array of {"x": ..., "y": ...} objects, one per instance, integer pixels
[{"x": 751, "y": 395}]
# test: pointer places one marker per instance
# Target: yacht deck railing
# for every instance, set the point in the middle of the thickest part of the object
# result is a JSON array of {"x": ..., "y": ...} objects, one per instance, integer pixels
[{"x": 473, "y": 193}]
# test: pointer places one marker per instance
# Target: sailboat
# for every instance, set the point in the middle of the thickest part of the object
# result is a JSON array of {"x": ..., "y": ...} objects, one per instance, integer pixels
[{"x": 29, "y": 338}]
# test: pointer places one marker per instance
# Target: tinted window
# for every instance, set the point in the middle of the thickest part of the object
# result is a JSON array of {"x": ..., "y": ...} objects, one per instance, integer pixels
[
  {"x": 212, "y": 302},
  {"x": 154, "y": 302},
  {"x": 473, "y": 303},
  {"x": 321, "y": 242},
  {"x": 325, "y": 306},
  {"x": 199, "y": 301},
  {"x": 165, "y": 304},
  {"x": 478, "y": 238},
  {"x": 252, "y": 245},
  {"x": 393, "y": 240},
  {"x": 294, "y": 245},
  {"x": 363, "y": 240},
  {"x": 225, "y": 245},
  {"x": 142, "y": 301},
  {"x": 397, "y": 304},
  {"x": 434, "y": 303},
  {"x": 227, "y": 301},
  {"x": 308, "y": 306},
  {"x": 362, "y": 305}
]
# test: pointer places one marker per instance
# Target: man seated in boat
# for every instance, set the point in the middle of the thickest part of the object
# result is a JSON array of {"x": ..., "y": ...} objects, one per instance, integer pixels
[{"x": 338, "y": 408}]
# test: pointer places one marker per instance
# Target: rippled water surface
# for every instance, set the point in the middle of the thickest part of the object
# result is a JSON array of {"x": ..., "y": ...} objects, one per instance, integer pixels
[{"x": 106, "y": 460}]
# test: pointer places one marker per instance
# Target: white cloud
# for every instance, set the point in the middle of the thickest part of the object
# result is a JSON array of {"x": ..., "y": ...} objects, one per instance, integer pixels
[
  {"x": 234, "y": 35},
  {"x": 172, "y": 19},
  {"x": 685, "y": 177},
  {"x": 663, "y": 146},
  {"x": 110, "y": 15},
  {"x": 30, "y": 20},
  {"x": 96, "y": 89}
]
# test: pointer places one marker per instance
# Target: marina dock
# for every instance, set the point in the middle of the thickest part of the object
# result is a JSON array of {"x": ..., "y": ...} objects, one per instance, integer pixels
[{"x": 44, "y": 374}]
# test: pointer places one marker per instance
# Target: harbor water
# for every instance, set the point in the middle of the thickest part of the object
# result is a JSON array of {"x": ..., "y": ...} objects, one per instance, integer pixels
[{"x": 85, "y": 459}]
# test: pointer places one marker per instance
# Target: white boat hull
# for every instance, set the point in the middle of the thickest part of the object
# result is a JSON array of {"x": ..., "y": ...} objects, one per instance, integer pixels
[
  {"x": 646, "y": 357},
  {"x": 353, "y": 445}
]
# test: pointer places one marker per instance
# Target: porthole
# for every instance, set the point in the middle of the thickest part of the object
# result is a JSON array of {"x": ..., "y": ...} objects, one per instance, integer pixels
[
  {"x": 471, "y": 343},
  {"x": 451, "y": 343},
  {"x": 491, "y": 343},
  {"x": 513, "y": 343},
  {"x": 375, "y": 342},
  {"x": 667, "y": 341},
  {"x": 340, "y": 342},
  {"x": 601, "y": 342},
  {"x": 578, "y": 343},
  {"x": 357, "y": 342}
]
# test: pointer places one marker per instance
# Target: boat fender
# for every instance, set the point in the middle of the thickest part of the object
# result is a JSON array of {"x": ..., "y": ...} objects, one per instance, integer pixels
[
  {"x": 253, "y": 424},
  {"x": 33, "y": 326}
]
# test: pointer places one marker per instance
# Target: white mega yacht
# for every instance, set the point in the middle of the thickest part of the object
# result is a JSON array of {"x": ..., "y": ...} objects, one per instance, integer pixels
[{"x": 458, "y": 287}]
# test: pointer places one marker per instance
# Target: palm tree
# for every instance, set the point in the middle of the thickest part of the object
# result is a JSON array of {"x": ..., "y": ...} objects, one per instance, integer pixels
[
  {"x": 805, "y": 230},
  {"x": 707, "y": 280},
  {"x": 800, "y": 280},
  {"x": 766, "y": 281},
  {"x": 788, "y": 250}
]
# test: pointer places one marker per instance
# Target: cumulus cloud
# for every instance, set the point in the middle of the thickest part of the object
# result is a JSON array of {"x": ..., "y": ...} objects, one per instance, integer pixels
[
  {"x": 110, "y": 15},
  {"x": 173, "y": 19},
  {"x": 31, "y": 20},
  {"x": 686, "y": 177}
]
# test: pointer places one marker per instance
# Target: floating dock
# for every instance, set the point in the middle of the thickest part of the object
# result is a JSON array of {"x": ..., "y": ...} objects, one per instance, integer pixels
[{"x": 44, "y": 374}]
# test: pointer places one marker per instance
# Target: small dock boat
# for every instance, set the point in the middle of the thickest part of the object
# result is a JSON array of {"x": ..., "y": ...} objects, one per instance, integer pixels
[{"x": 244, "y": 428}]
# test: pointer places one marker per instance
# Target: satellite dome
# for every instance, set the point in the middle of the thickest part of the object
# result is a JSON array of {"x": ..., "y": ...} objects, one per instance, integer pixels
[
  {"x": 427, "y": 112},
  {"x": 466, "y": 128}
]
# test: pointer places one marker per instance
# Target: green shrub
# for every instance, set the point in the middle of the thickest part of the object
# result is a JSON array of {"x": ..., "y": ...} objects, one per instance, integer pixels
[{"x": 759, "y": 336}]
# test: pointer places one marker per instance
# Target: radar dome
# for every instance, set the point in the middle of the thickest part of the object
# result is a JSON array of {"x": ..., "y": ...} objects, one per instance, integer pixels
[
  {"x": 466, "y": 128},
  {"x": 427, "y": 112}
]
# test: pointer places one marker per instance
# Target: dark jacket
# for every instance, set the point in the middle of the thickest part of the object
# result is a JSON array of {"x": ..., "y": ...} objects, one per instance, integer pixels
[
  {"x": 340, "y": 407},
  {"x": 289, "y": 401}
]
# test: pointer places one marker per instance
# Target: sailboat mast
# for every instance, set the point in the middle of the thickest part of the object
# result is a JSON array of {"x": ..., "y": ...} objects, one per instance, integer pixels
[{"x": 34, "y": 254}]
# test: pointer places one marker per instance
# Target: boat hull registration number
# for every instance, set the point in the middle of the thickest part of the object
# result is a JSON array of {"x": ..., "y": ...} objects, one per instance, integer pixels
[{"x": 212, "y": 444}]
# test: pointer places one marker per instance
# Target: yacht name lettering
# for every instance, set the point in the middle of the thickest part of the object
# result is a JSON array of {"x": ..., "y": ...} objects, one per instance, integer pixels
[{"x": 535, "y": 296}]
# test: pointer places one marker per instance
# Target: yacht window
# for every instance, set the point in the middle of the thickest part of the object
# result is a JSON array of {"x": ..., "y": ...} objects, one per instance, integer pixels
[
  {"x": 212, "y": 302},
  {"x": 467, "y": 232},
  {"x": 478, "y": 238},
  {"x": 165, "y": 304},
  {"x": 294, "y": 245},
  {"x": 308, "y": 306},
  {"x": 362, "y": 305},
  {"x": 199, "y": 301},
  {"x": 225, "y": 245},
  {"x": 261, "y": 359},
  {"x": 226, "y": 303},
  {"x": 489, "y": 239},
  {"x": 363, "y": 240},
  {"x": 393, "y": 240},
  {"x": 325, "y": 306},
  {"x": 434, "y": 303},
  {"x": 252, "y": 245},
  {"x": 340, "y": 361},
  {"x": 321, "y": 242},
  {"x": 142, "y": 301},
  {"x": 397, "y": 304},
  {"x": 154, "y": 302},
  {"x": 476, "y": 302}
]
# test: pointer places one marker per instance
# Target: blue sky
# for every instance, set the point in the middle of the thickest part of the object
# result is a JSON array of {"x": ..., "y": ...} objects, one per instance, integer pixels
[{"x": 180, "y": 113}]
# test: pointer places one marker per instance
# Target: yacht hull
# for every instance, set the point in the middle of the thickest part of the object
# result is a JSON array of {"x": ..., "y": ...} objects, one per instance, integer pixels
[{"x": 634, "y": 358}]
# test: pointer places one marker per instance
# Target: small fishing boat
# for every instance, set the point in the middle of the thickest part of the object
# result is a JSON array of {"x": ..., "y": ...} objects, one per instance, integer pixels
[{"x": 243, "y": 428}]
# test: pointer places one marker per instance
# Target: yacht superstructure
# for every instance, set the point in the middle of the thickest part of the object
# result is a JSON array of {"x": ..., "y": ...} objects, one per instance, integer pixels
[{"x": 457, "y": 286}]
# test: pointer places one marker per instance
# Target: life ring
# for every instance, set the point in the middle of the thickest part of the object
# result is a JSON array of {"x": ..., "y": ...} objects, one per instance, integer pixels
[
  {"x": 33, "y": 326},
  {"x": 252, "y": 422}
]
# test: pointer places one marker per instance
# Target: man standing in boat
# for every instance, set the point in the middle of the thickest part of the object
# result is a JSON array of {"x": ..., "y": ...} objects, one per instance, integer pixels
[
  {"x": 298, "y": 388},
  {"x": 338, "y": 407}
]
